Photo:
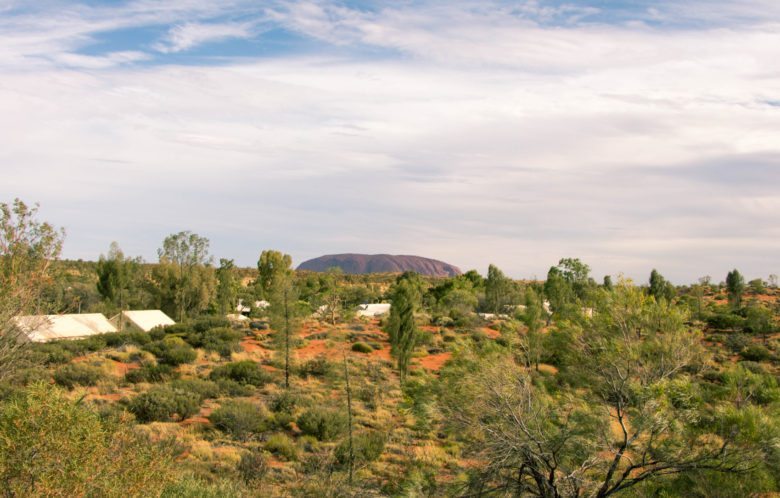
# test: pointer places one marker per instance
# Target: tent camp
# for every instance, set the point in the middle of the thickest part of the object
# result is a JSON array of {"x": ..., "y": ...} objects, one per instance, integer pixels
[
  {"x": 143, "y": 320},
  {"x": 244, "y": 309},
  {"x": 372, "y": 310},
  {"x": 45, "y": 328}
]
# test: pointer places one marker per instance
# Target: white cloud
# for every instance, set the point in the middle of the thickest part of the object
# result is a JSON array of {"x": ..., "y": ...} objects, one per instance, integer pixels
[
  {"x": 490, "y": 139},
  {"x": 186, "y": 36}
]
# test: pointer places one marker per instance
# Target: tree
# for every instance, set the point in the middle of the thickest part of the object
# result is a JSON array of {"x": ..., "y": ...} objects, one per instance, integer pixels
[
  {"x": 279, "y": 288},
  {"x": 498, "y": 290},
  {"x": 608, "y": 282},
  {"x": 271, "y": 266},
  {"x": 27, "y": 249},
  {"x": 184, "y": 280},
  {"x": 660, "y": 288},
  {"x": 533, "y": 342},
  {"x": 400, "y": 324},
  {"x": 760, "y": 320},
  {"x": 735, "y": 286},
  {"x": 633, "y": 417},
  {"x": 118, "y": 278},
  {"x": 331, "y": 293},
  {"x": 227, "y": 286}
]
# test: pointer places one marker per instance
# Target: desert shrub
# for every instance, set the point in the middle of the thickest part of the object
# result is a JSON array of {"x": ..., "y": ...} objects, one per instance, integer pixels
[
  {"x": 357, "y": 327},
  {"x": 316, "y": 367},
  {"x": 51, "y": 446},
  {"x": 366, "y": 447},
  {"x": 222, "y": 340},
  {"x": 245, "y": 372},
  {"x": 204, "y": 389},
  {"x": 369, "y": 395},
  {"x": 361, "y": 347},
  {"x": 285, "y": 402},
  {"x": 737, "y": 342},
  {"x": 282, "y": 445},
  {"x": 231, "y": 388},
  {"x": 139, "y": 338},
  {"x": 172, "y": 351},
  {"x": 53, "y": 353},
  {"x": 79, "y": 374},
  {"x": 324, "y": 424},
  {"x": 259, "y": 325},
  {"x": 756, "y": 352},
  {"x": 150, "y": 372},
  {"x": 204, "y": 323},
  {"x": 240, "y": 419},
  {"x": 164, "y": 404},
  {"x": 253, "y": 466},
  {"x": 196, "y": 486}
]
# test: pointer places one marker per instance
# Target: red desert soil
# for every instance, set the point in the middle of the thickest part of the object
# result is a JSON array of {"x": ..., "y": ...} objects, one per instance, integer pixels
[
  {"x": 492, "y": 333},
  {"x": 434, "y": 362},
  {"x": 252, "y": 346},
  {"x": 314, "y": 348},
  {"x": 382, "y": 354}
]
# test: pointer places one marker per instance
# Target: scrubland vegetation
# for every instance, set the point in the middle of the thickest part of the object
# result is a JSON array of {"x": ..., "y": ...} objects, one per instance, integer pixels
[{"x": 471, "y": 386}]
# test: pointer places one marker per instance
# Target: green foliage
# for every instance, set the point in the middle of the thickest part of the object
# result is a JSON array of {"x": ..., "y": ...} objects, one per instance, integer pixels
[
  {"x": 52, "y": 446},
  {"x": 172, "y": 351},
  {"x": 282, "y": 445},
  {"x": 245, "y": 372},
  {"x": 366, "y": 447},
  {"x": 316, "y": 367},
  {"x": 240, "y": 419},
  {"x": 150, "y": 372},
  {"x": 735, "y": 286},
  {"x": 401, "y": 326},
  {"x": 499, "y": 290},
  {"x": 223, "y": 340},
  {"x": 164, "y": 404},
  {"x": 253, "y": 466},
  {"x": 78, "y": 374},
  {"x": 204, "y": 389},
  {"x": 362, "y": 347},
  {"x": 118, "y": 339},
  {"x": 324, "y": 424},
  {"x": 756, "y": 352}
]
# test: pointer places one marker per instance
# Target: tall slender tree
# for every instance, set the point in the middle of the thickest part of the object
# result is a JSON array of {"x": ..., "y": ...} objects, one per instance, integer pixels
[
  {"x": 227, "y": 286},
  {"x": 184, "y": 279},
  {"x": 735, "y": 286},
  {"x": 280, "y": 290},
  {"x": 401, "y": 326}
]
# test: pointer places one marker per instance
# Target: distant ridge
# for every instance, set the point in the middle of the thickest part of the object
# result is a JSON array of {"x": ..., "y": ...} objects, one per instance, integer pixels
[{"x": 381, "y": 263}]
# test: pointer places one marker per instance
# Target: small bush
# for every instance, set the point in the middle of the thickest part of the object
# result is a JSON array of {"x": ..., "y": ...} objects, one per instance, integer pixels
[
  {"x": 253, "y": 466},
  {"x": 53, "y": 353},
  {"x": 149, "y": 372},
  {"x": 231, "y": 388},
  {"x": 366, "y": 447},
  {"x": 317, "y": 367},
  {"x": 756, "y": 352},
  {"x": 361, "y": 347},
  {"x": 221, "y": 340},
  {"x": 244, "y": 372},
  {"x": 78, "y": 374},
  {"x": 205, "y": 323},
  {"x": 172, "y": 351},
  {"x": 240, "y": 419},
  {"x": 255, "y": 325},
  {"x": 282, "y": 445},
  {"x": 164, "y": 404},
  {"x": 323, "y": 424},
  {"x": 285, "y": 402},
  {"x": 204, "y": 389},
  {"x": 138, "y": 338}
]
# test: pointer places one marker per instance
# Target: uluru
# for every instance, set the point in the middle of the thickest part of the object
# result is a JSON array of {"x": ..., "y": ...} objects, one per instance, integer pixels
[{"x": 381, "y": 263}]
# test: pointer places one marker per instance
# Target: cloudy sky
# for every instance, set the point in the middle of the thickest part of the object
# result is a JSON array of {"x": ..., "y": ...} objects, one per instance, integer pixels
[{"x": 629, "y": 133}]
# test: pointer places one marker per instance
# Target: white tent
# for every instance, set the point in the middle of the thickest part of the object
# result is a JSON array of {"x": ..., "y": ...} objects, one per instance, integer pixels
[
  {"x": 144, "y": 320},
  {"x": 242, "y": 308},
  {"x": 373, "y": 310},
  {"x": 45, "y": 328}
]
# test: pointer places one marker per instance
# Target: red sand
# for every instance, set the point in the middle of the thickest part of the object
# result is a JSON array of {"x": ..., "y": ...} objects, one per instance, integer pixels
[{"x": 434, "y": 362}]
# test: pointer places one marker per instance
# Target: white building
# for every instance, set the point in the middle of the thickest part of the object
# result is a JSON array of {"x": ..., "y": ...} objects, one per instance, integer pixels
[
  {"x": 143, "y": 320},
  {"x": 373, "y": 310},
  {"x": 45, "y": 328}
]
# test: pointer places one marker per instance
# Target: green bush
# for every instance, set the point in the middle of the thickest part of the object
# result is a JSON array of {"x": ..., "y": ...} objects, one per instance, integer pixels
[
  {"x": 323, "y": 424},
  {"x": 245, "y": 372},
  {"x": 51, "y": 446},
  {"x": 240, "y": 419},
  {"x": 231, "y": 388},
  {"x": 204, "y": 389},
  {"x": 149, "y": 372},
  {"x": 53, "y": 353},
  {"x": 366, "y": 447},
  {"x": 361, "y": 347},
  {"x": 205, "y": 323},
  {"x": 164, "y": 404},
  {"x": 172, "y": 351},
  {"x": 138, "y": 338},
  {"x": 79, "y": 374},
  {"x": 756, "y": 352},
  {"x": 222, "y": 340},
  {"x": 316, "y": 367},
  {"x": 253, "y": 466},
  {"x": 282, "y": 445},
  {"x": 285, "y": 402}
]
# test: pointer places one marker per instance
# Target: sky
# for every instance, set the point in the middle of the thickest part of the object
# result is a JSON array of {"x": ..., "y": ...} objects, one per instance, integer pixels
[{"x": 631, "y": 134}]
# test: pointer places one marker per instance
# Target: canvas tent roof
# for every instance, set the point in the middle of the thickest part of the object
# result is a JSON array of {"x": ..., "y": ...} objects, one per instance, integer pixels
[
  {"x": 146, "y": 320},
  {"x": 241, "y": 308},
  {"x": 44, "y": 328},
  {"x": 372, "y": 310}
]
